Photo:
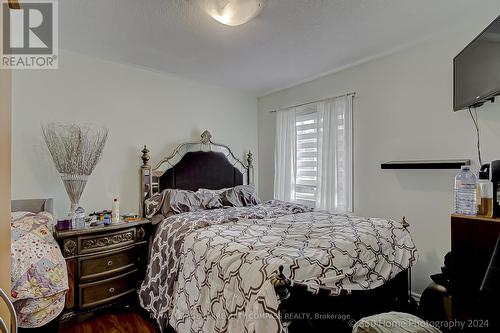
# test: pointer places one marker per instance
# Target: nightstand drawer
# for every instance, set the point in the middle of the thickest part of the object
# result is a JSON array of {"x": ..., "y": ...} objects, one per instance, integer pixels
[
  {"x": 106, "y": 291},
  {"x": 96, "y": 243},
  {"x": 102, "y": 266}
]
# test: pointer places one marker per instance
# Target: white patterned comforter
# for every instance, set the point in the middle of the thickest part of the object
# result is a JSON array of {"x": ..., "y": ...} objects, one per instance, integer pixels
[{"x": 210, "y": 270}]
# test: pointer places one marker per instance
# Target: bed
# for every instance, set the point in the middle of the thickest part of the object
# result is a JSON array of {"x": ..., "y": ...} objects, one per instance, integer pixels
[
  {"x": 261, "y": 267},
  {"x": 38, "y": 270}
]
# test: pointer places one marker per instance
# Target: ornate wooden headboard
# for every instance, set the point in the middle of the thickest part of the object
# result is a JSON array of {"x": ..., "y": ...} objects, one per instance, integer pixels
[{"x": 195, "y": 165}]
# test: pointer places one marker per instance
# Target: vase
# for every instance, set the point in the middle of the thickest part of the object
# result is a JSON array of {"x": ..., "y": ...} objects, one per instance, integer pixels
[{"x": 74, "y": 184}]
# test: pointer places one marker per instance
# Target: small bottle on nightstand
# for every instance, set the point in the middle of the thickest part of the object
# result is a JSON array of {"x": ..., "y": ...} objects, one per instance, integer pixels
[
  {"x": 115, "y": 211},
  {"x": 485, "y": 193}
]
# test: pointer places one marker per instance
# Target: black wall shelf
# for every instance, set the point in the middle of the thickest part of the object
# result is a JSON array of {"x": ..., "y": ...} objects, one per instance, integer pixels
[{"x": 425, "y": 164}]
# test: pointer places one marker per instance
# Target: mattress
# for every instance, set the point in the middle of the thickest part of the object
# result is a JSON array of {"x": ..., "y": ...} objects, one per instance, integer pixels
[{"x": 210, "y": 270}]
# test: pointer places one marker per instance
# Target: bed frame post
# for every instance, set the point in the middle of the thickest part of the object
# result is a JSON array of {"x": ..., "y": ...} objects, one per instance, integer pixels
[
  {"x": 250, "y": 179},
  {"x": 281, "y": 286},
  {"x": 146, "y": 186},
  {"x": 409, "y": 299}
]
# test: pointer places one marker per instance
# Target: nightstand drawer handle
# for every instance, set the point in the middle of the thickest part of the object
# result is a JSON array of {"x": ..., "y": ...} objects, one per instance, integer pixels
[
  {"x": 111, "y": 290},
  {"x": 110, "y": 263}
]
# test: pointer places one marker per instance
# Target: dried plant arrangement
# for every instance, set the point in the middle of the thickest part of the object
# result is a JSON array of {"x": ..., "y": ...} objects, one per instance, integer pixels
[{"x": 75, "y": 150}]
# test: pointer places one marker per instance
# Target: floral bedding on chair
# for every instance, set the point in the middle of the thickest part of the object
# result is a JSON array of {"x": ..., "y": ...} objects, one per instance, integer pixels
[{"x": 39, "y": 278}]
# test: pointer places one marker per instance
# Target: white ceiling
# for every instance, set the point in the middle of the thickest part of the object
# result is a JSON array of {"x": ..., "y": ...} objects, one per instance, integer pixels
[{"x": 290, "y": 42}]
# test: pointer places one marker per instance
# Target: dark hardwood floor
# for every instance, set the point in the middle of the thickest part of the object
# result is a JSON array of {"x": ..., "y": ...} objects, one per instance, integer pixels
[{"x": 127, "y": 322}]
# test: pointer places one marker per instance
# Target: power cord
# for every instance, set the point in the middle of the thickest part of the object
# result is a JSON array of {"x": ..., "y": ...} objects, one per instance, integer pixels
[{"x": 475, "y": 120}]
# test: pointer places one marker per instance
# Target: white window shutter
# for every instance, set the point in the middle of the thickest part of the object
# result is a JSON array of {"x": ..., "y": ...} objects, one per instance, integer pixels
[{"x": 307, "y": 127}]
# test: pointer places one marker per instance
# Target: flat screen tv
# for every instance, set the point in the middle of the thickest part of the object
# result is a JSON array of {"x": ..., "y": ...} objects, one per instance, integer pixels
[{"x": 476, "y": 70}]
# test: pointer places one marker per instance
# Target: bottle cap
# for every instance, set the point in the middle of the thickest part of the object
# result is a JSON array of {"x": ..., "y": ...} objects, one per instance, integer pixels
[
  {"x": 484, "y": 175},
  {"x": 484, "y": 172}
]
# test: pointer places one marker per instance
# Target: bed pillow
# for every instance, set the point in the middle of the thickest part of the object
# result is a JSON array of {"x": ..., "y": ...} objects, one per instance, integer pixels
[
  {"x": 206, "y": 191},
  {"x": 174, "y": 201},
  {"x": 181, "y": 201},
  {"x": 240, "y": 196},
  {"x": 153, "y": 205}
]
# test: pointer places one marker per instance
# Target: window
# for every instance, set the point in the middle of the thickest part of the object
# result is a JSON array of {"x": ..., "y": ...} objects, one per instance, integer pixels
[
  {"x": 313, "y": 158},
  {"x": 307, "y": 129}
]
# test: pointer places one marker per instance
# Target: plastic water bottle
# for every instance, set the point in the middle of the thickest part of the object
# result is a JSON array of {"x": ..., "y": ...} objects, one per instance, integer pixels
[
  {"x": 80, "y": 217},
  {"x": 465, "y": 192}
]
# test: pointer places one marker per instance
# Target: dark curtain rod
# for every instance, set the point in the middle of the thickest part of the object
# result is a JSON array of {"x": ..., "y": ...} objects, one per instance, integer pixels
[{"x": 316, "y": 101}]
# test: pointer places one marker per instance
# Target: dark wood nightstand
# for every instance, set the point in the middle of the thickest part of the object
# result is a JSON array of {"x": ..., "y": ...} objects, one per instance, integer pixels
[
  {"x": 473, "y": 240},
  {"x": 105, "y": 265}
]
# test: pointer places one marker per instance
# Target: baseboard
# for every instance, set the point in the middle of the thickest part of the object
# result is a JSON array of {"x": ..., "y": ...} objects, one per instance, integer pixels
[{"x": 416, "y": 296}]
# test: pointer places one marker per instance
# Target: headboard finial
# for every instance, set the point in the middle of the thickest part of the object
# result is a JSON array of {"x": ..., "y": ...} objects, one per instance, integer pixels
[
  {"x": 404, "y": 222},
  {"x": 250, "y": 168},
  {"x": 206, "y": 137},
  {"x": 145, "y": 156},
  {"x": 249, "y": 158}
]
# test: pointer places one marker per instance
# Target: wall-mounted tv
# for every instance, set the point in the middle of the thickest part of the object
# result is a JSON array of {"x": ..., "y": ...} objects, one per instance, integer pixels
[{"x": 476, "y": 70}]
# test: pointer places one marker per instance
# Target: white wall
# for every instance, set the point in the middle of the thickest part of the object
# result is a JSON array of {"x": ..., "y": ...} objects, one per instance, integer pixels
[
  {"x": 403, "y": 110},
  {"x": 138, "y": 106}
]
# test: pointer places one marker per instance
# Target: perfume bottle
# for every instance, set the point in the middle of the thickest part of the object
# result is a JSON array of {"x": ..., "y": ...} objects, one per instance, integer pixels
[{"x": 115, "y": 211}]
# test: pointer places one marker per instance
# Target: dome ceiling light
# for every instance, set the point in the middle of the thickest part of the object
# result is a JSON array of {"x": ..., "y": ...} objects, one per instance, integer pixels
[{"x": 233, "y": 12}]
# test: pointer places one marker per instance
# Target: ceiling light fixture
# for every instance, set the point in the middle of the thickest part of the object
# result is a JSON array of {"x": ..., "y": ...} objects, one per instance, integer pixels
[{"x": 233, "y": 12}]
